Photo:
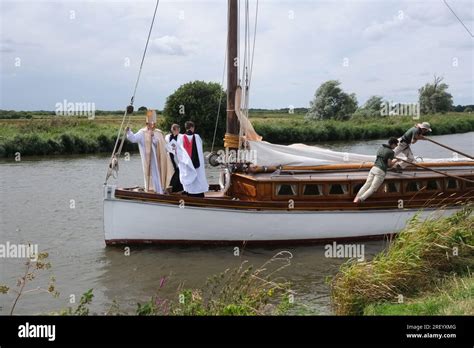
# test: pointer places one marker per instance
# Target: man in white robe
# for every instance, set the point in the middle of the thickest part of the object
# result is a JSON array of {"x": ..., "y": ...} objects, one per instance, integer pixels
[
  {"x": 151, "y": 145},
  {"x": 191, "y": 162}
]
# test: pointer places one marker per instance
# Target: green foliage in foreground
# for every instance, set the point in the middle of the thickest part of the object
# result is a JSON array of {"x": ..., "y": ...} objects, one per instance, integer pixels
[
  {"x": 424, "y": 253},
  {"x": 32, "y": 268},
  {"x": 82, "y": 308},
  {"x": 242, "y": 291},
  {"x": 454, "y": 297}
]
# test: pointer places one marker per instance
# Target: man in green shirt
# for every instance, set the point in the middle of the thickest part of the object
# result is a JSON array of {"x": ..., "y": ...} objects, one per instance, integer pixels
[
  {"x": 384, "y": 160},
  {"x": 411, "y": 136}
]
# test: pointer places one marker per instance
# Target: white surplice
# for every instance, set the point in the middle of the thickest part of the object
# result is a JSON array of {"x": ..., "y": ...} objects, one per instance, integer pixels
[
  {"x": 193, "y": 179},
  {"x": 154, "y": 184},
  {"x": 172, "y": 147}
]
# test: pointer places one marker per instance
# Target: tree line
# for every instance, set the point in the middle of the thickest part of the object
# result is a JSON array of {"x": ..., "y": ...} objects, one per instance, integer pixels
[
  {"x": 331, "y": 102},
  {"x": 199, "y": 101}
]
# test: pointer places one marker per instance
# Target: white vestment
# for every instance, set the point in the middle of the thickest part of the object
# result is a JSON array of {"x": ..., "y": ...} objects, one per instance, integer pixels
[
  {"x": 172, "y": 147},
  {"x": 193, "y": 179},
  {"x": 151, "y": 173}
]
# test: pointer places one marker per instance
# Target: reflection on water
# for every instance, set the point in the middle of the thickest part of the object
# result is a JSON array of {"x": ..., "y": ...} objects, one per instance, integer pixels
[{"x": 57, "y": 204}]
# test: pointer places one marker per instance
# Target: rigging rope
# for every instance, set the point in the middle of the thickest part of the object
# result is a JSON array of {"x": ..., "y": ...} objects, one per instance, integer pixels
[
  {"x": 238, "y": 45},
  {"x": 253, "y": 47},
  {"x": 249, "y": 55},
  {"x": 144, "y": 51},
  {"x": 220, "y": 101},
  {"x": 112, "y": 169}
]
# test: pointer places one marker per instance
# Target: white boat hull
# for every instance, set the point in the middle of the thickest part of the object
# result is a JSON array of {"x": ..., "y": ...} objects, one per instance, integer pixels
[{"x": 129, "y": 221}]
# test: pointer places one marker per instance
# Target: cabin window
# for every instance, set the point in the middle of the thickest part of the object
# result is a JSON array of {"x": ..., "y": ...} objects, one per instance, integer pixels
[
  {"x": 356, "y": 187},
  {"x": 286, "y": 190},
  {"x": 413, "y": 186},
  {"x": 338, "y": 189},
  {"x": 391, "y": 187},
  {"x": 313, "y": 190},
  {"x": 470, "y": 184},
  {"x": 452, "y": 184},
  {"x": 433, "y": 185}
]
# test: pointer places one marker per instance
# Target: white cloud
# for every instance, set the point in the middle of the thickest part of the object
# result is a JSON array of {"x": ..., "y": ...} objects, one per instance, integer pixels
[
  {"x": 170, "y": 45},
  {"x": 85, "y": 58},
  {"x": 377, "y": 31}
]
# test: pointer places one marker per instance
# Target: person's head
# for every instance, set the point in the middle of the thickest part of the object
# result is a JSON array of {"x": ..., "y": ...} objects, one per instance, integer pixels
[
  {"x": 392, "y": 142},
  {"x": 175, "y": 129},
  {"x": 189, "y": 126},
  {"x": 425, "y": 127}
]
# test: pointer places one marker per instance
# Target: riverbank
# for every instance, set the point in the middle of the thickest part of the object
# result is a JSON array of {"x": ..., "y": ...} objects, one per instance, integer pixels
[
  {"x": 426, "y": 270},
  {"x": 454, "y": 297},
  {"x": 297, "y": 129},
  {"x": 63, "y": 135}
]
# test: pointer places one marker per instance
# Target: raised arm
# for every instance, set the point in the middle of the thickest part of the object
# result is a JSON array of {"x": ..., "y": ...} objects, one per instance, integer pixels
[{"x": 133, "y": 138}]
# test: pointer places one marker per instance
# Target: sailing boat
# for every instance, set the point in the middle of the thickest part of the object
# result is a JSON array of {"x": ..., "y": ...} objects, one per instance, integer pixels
[{"x": 289, "y": 194}]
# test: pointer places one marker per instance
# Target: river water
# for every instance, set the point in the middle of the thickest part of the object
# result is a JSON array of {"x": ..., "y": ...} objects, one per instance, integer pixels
[{"x": 56, "y": 202}]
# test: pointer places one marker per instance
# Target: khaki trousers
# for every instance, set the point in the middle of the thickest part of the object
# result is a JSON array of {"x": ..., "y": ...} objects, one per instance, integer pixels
[
  {"x": 404, "y": 148},
  {"x": 374, "y": 180}
]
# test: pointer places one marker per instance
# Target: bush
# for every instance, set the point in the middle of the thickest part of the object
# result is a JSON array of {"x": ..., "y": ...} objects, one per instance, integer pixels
[
  {"x": 434, "y": 97},
  {"x": 197, "y": 101},
  {"x": 331, "y": 102}
]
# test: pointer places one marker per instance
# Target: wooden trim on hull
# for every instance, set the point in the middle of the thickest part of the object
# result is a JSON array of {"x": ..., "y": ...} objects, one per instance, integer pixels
[
  {"x": 355, "y": 166},
  {"x": 248, "y": 243},
  {"x": 413, "y": 202}
]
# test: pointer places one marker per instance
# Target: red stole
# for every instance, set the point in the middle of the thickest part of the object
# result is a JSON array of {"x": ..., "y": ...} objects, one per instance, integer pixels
[{"x": 188, "y": 145}]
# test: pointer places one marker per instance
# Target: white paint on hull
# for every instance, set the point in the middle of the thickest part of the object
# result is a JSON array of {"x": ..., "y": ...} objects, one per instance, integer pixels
[{"x": 137, "y": 220}]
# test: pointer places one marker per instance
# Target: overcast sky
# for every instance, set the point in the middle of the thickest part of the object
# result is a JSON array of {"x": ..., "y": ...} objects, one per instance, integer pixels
[{"x": 89, "y": 51}]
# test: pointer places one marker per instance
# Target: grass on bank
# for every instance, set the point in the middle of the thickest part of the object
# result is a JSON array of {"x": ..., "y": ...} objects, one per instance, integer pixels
[
  {"x": 420, "y": 259},
  {"x": 455, "y": 296},
  {"x": 58, "y": 135},
  {"x": 242, "y": 291}
]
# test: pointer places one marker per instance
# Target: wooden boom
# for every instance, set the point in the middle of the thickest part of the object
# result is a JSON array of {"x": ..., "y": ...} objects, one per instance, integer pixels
[{"x": 355, "y": 166}]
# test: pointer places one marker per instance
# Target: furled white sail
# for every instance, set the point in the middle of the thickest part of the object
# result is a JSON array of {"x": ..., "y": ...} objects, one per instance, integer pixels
[{"x": 268, "y": 154}]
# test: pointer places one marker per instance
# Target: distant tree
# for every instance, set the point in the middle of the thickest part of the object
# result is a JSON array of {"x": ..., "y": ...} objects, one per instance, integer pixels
[
  {"x": 468, "y": 109},
  {"x": 458, "y": 108},
  {"x": 142, "y": 108},
  {"x": 371, "y": 108},
  {"x": 330, "y": 101},
  {"x": 434, "y": 98},
  {"x": 197, "y": 101}
]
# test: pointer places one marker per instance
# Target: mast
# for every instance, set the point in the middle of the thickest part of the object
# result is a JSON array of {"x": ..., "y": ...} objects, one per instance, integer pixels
[{"x": 231, "y": 138}]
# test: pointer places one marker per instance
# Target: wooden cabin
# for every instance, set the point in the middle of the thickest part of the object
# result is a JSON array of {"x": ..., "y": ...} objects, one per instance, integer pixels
[{"x": 326, "y": 191}]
